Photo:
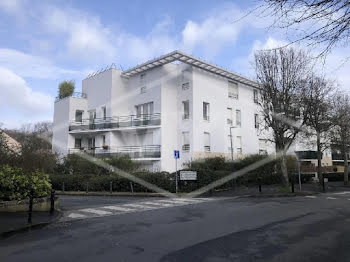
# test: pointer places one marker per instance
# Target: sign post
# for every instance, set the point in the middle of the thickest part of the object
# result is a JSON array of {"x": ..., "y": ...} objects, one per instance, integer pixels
[{"x": 176, "y": 156}]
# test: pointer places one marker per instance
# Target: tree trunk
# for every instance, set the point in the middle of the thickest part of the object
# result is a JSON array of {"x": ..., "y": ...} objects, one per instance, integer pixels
[
  {"x": 285, "y": 180},
  {"x": 346, "y": 167},
  {"x": 319, "y": 159}
]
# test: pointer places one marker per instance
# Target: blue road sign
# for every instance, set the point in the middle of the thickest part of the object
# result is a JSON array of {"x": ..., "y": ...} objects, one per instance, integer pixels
[{"x": 176, "y": 154}]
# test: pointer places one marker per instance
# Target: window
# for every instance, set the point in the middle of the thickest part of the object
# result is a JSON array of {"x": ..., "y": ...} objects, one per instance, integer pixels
[
  {"x": 91, "y": 143},
  {"x": 185, "y": 86},
  {"x": 79, "y": 116},
  {"x": 186, "y": 109},
  {"x": 256, "y": 120},
  {"x": 206, "y": 142},
  {"x": 185, "y": 79},
  {"x": 103, "y": 140},
  {"x": 206, "y": 111},
  {"x": 144, "y": 109},
  {"x": 239, "y": 145},
  {"x": 92, "y": 115},
  {"x": 232, "y": 90},
  {"x": 238, "y": 118},
  {"x": 77, "y": 143},
  {"x": 229, "y": 116},
  {"x": 185, "y": 141},
  {"x": 229, "y": 142},
  {"x": 143, "y": 90},
  {"x": 262, "y": 147},
  {"x": 104, "y": 113},
  {"x": 255, "y": 92}
]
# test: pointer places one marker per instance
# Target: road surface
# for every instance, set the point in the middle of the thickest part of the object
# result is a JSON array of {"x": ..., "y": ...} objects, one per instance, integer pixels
[{"x": 315, "y": 228}]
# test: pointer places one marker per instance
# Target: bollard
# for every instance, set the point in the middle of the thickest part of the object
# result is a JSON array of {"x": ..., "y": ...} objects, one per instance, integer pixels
[
  {"x": 132, "y": 189},
  {"x": 111, "y": 187},
  {"x": 323, "y": 185},
  {"x": 31, "y": 195},
  {"x": 52, "y": 207},
  {"x": 292, "y": 182},
  {"x": 259, "y": 182},
  {"x": 87, "y": 187},
  {"x": 63, "y": 186}
]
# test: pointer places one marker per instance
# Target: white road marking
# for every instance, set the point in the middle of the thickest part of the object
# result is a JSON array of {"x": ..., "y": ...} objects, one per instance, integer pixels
[
  {"x": 331, "y": 198},
  {"x": 95, "y": 211},
  {"x": 132, "y": 207},
  {"x": 138, "y": 206},
  {"x": 342, "y": 193},
  {"x": 310, "y": 196},
  {"x": 75, "y": 215},
  {"x": 118, "y": 208},
  {"x": 157, "y": 204}
]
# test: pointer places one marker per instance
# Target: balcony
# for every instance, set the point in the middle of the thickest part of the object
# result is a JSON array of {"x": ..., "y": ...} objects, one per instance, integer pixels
[
  {"x": 306, "y": 154},
  {"x": 75, "y": 94},
  {"x": 134, "y": 152},
  {"x": 115, "y": 122}
]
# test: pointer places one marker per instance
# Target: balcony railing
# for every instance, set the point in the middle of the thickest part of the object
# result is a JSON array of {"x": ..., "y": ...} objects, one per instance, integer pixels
[
  {"x": 135, "y": 152},
  {"x": 75, "y": 94},
  {"x": 116, "y": 122},
  {"x": 306, "y": 154}
]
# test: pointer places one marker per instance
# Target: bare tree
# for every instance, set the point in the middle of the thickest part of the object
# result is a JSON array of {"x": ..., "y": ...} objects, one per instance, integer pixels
[
  {"x": 319, "y": 22},
  {"x": 341, "y": 130},
  {"x": 282, "y": 75},
  {"x": 317, "y": 104}
]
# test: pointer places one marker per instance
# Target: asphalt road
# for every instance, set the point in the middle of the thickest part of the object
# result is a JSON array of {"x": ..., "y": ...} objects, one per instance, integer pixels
[{"x": 249, "y": 229}]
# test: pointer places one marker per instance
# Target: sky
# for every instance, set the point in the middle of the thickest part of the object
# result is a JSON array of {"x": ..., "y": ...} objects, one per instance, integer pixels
[{"x": 45, "y": 42}]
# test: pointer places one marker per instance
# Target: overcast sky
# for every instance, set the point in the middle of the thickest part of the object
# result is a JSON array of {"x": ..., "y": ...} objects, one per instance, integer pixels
[{"x": 45, "y": 42}]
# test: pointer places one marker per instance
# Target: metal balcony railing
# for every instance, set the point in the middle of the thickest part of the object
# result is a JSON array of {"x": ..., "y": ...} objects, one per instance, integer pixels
[
  {"x": 75, "y": 94},
  {"x": 135, "y": 152},
  {"x": 116, "y": 122}
]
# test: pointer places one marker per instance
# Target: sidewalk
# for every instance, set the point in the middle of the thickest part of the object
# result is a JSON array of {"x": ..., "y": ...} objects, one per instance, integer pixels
[{"x": 11, "y": 222}]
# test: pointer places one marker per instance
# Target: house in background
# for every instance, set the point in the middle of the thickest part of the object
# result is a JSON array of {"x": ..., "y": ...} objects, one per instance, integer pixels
[
  {"x": 12, "y": 144},
  {"x": 174, "y": 102}
]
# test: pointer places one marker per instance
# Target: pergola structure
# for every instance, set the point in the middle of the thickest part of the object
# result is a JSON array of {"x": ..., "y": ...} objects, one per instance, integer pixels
[{"x": 188, "y": 59}]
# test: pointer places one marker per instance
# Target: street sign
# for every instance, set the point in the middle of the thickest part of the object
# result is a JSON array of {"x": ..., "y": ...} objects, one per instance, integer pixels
[
  {"x": 176, "y": 154},
  {"x": 188, "y": 175}
]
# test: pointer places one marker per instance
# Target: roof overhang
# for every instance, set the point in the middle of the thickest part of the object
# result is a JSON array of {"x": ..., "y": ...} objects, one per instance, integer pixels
[{"x": 188, "y": 59}]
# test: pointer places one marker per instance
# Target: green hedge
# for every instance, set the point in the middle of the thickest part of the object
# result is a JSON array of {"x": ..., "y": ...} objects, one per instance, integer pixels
[{"x": 15, "y": 184}]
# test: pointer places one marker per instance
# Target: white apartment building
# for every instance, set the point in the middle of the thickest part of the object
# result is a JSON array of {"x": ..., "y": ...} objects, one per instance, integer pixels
[{"x": 174, "y": 102}]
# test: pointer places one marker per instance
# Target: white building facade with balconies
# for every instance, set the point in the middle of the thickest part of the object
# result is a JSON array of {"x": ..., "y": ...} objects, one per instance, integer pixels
[{"x": 175, "y": 102}]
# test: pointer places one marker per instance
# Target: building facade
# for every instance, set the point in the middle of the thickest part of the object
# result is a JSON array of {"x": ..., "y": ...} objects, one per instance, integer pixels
[{"x": 174, "y": 102}]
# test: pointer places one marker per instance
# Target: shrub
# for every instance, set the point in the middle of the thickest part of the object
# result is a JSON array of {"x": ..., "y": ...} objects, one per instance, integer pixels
[
  {"x": 66, "y": 88},
  {"x": 15, "y": 184}
]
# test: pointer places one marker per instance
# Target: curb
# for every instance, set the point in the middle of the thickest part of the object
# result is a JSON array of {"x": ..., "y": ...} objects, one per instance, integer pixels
[
  {"x": 29, "y": 227},
  {"x": 272, "y": 195}
]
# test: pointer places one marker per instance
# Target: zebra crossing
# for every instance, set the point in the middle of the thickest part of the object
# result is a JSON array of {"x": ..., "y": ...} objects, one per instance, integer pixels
[
  {"x": 345, "y": 195},
  {"x": 140, "y": 206}
]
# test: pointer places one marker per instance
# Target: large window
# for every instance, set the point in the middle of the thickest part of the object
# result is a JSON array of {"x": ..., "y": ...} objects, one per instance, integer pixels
[
  {"x": 232, "y": 90},
  {"x": 186, "y": 109},
  {"x": 206, "y": 111},
  {"x": 239, "y": 145},
  {"x": 79, "y": 116},
  {"x": 104, "y": 113},
  {"x": 262, "y": 147},
  {"x": 186, "y": 141},
  {"x": 144, "y": 109},
  {"x": 255, "y": 93},
  {"x": 77, "y": 143},
  {"x": 238, "y": 118},
  {"x": 229, "y": 116},
  {"x": 256, "y": 121},
  {"x": 206, "y": 142},
  {"x": 92, "y": 115}
]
